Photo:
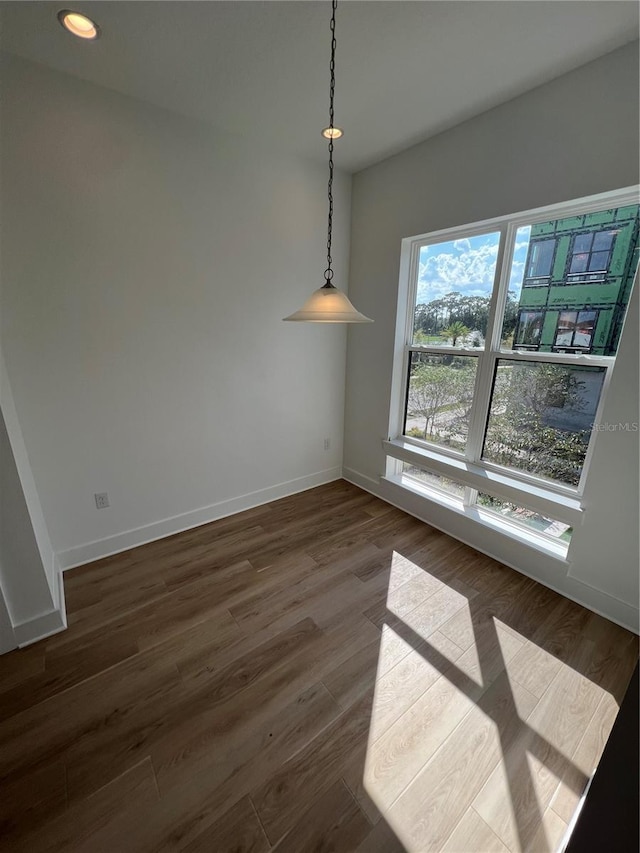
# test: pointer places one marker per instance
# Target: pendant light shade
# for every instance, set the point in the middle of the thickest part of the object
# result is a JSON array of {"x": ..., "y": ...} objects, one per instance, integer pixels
[{"x": 328, "y": 305}]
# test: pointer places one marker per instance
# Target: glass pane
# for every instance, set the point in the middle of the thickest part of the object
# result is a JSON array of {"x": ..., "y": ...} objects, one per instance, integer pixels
[
  {"x": 529, "y": 329},
  {"x": 566, "y": 326},
  {"x": 526, "y": 517},
  {"x": 579, "y": 262},
  {"x": 584, "y": 329},
  {"x": 455, "y": 282},
  {"x": 599, "y": 261},
  {"x": 602, "y": 241},
  {"x": 541, "y": 257},
  {"x": 444, "y": 484},
  {"x": 439, "y": 398},
  {"x": 541, "y": 416},
  {"x": 582, "y": 243},
  {"x": 594, "y": 262}
]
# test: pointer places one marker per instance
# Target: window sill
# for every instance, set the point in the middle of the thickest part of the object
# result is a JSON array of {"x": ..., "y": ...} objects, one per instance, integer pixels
[
  {"x": 563, "y": 507},
  {"x": 557, "y": 550}
]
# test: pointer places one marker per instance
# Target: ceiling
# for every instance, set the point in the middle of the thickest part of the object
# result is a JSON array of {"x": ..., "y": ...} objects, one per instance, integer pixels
[{"x": 404, "y": 70}]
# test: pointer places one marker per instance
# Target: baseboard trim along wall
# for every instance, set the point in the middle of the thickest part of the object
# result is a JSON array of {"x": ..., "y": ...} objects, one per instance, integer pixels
[
  {"x": 559, "y": 581},
  {"x": 90, "y": 551},
  {"x": 362, "y": 480},
  {"x": 40, "y": 627}
]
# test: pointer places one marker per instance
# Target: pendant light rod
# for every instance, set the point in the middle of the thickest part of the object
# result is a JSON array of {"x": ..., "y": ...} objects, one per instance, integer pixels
[
  {"x": 327, "y": 304},
  {"x": 328, "y": 273}
]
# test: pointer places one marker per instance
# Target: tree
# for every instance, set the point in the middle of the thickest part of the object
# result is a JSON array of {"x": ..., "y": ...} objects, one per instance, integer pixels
[
  {"x": 454, "y": 331},
  {"x": 429, "y": 390},
  {"x": 472, "y": 311},
  {"x": 420, "y": 320},
  {"x": 438, "y": 392},
  {"x": 520, "y": 433},
  {"x": 510, "y": 317}
]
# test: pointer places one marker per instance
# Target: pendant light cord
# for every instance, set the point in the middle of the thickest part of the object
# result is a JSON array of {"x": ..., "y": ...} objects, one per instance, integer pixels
[{"x": 328, "y": 273}]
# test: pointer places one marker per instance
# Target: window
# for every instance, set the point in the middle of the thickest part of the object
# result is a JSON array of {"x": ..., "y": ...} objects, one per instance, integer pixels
[
  {"x": 540, "y": 258},
  {"x": 575, "y": 329},
  {"x": 496, "y": 385},
  {"x": 529, "y": 330},
  {"x": 591, "y": 252}
]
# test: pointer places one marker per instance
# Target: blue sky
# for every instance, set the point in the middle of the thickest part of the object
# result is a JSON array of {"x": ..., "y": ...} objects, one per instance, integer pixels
[{"x": 467, "y": 266}]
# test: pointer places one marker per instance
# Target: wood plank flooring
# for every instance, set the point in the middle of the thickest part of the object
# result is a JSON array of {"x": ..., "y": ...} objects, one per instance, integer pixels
[{"x": 322, "y": 673}]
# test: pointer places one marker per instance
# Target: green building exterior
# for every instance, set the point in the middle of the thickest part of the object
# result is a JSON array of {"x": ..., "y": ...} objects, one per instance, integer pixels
[{"x": 577, "y": 282}]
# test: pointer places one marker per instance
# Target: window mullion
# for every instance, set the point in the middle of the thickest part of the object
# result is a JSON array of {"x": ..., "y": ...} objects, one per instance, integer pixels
[
  {"x": 480, "y": 408},
  {"x": 500, "y": 293},
  {"x": 470, "y": 496},
  {"x": 487, "y": 361}
]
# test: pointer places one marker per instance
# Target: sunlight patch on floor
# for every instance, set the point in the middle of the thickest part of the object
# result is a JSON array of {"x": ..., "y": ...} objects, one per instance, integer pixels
[
  {"x": 469, "y": 730},
  {"x": 404, "y": 570}
]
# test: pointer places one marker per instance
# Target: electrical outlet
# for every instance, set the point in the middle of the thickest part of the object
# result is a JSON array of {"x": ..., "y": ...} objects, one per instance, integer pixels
[
  {"x": 327, "y": 443},
  {"x": 102, "y": 500}
]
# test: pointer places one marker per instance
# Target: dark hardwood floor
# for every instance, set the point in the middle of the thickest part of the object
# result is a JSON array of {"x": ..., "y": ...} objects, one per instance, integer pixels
[{"x": 322, "y": 673}]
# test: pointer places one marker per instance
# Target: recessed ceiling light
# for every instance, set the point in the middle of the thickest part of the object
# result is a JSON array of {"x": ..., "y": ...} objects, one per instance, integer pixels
[
  {"x": 332, "y": 133},
  {"x": 79, "y": 25}
]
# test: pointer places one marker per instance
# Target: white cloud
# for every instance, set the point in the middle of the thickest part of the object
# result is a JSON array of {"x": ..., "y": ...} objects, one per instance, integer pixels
[
  {"x": 469, "y": 273},
  {"x": 517, "y": 274},
  {"x": 521, "y": 244}
]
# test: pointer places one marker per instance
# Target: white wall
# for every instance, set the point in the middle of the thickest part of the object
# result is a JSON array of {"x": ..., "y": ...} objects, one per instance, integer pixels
[
  {"x": 570, "y": 138},
  {"x": 147, "y": 262}
]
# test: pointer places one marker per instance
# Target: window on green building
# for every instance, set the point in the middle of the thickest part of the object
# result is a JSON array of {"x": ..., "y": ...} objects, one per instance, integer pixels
[
  {"x": 529, "y": 329},
  {"x": 575, "y": 329},
  {"x": 584, "y": 299},
  {"x": 591, "y": 252},
  {"x": 541, "y": 258}
]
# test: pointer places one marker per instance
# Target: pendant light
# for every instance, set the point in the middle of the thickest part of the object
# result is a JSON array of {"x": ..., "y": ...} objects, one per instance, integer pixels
[{"x": 328, "y": 304}]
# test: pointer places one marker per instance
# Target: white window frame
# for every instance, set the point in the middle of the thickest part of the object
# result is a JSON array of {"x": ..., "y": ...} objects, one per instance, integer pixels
[{"x": 558, "y": 500}]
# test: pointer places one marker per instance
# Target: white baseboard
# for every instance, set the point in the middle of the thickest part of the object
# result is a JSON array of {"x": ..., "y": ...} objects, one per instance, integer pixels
[
  {"x": 90, "y": 551},
  {"x": 599, "y": 601},
  {"x": 369, "y": 484},
  {"x": 39, "y": 627}
]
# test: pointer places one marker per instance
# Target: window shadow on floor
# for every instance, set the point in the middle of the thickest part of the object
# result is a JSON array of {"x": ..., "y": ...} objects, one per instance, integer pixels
[{"x": 512, "y": 662}]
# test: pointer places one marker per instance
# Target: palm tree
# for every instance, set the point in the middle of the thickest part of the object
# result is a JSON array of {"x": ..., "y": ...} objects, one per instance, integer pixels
[{"x": 454, "y": 331}]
